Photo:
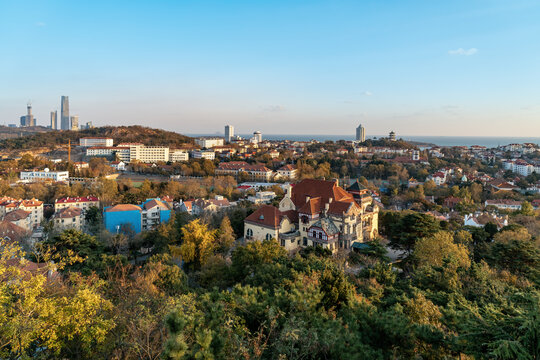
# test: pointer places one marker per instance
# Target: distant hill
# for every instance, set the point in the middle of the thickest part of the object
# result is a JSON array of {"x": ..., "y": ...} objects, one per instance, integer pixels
[
  {"x": 385, "y": 142},
  {"x": 51, "y": 139},
  {"x": 7, "y": 132}
]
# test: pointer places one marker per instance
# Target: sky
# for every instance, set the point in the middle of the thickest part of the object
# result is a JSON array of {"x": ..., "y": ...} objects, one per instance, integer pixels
[{"x": 455, "y": 68}]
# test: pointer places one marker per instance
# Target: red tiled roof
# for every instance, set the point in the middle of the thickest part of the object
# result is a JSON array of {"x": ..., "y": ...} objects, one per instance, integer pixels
[
  {"x": 288, "y": 167},
  {"x": 340, "y": 207},
  {"x": 14, "y": 232},
  {"x": 153, "y": 203},
  {"x": 311, "y": 207},
  {"x": 69, "y": 200},
  {"x": 266, "y": 215},
  {"x": 16, "y": 215},
  {"x": 69, "y": 212},
  {"x": 318, "y": 188}
]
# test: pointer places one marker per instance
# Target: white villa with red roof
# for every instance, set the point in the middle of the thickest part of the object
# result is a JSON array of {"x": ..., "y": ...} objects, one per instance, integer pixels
[
  {"x": 315, "y": 212},
  {"x": 82, "y": 202}
]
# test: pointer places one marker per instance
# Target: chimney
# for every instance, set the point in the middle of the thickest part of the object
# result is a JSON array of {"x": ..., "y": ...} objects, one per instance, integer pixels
[{"x": 308, "y": 198}]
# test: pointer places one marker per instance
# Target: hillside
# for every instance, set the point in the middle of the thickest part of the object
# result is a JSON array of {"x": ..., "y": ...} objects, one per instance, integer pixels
[{"x": 135, "y": 133}]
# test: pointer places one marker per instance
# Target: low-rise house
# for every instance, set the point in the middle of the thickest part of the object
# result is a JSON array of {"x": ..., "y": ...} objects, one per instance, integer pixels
[
  {"x": 29, "y": 176},
  {"x": 504, "y": 204},
  {"x": 118, "y": 165},
  {"x": 203, "y": 154},
  {"x": 186, "y": 206},
  {"x": 82, "y": 202},
  {"x": 236, "y": 168},
  {"x": 439, "y": 178},
  {"x": 481, "y": 219},
  {"x": 209, "y": 205},
  {"x": 262, "y": 197},
  {"x": 12, "y": 233},
  {"x": 20, "y": 218},
  {"x": 68, "y": 218}
]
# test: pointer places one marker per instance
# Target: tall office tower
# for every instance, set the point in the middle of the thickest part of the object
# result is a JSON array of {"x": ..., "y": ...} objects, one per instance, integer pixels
[
  {"x": 360, "y": 133},
  {"x": 75, "y": 122},
  {"x": 28, "y": 119},
  {"x": 229, "y": 133},
  {"x": 54, "y": 117},
  {"x": 64, "y": 114}
]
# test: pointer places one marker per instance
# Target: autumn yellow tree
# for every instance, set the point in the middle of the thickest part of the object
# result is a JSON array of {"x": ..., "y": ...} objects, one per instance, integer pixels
[
  {"x": 199, "y": 243},
  {"x": 433, "y": 250}
]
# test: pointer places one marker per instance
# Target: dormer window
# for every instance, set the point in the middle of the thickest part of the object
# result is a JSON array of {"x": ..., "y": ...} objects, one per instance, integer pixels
[{"x": 261, "y": 217}]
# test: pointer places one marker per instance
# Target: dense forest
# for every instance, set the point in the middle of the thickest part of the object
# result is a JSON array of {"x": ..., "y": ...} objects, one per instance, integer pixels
[
  {"x": 135, "y": 133},
  {"x": 455, "y": 294}
]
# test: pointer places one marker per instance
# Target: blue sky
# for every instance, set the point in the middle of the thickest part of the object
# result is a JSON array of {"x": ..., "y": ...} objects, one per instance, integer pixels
[{"x": 313, "y": 67}]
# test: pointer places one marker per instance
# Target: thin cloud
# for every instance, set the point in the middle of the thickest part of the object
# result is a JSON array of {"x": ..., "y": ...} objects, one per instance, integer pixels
[
  {"x": 274, "y": 108},
  {"x": 40, "y": 24},
  {"x": 463, "y": 52},
  {"x": 368, "y": 93}
]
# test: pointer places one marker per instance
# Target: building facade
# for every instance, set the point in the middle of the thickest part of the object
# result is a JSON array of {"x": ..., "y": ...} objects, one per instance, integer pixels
[
  {"x": 315, "y": 212},
  {"x": 54, "y": 120},
  {"x": 64, "y": 113},
  {"x": 360, "y": 133},
  {"x": 138, "y": 218},
  {"x": 96, "y": 141},
  {"x": 209, "y": 142},
  {"x": 44, "y": 175},
  {"x": 229, "y": 133}
]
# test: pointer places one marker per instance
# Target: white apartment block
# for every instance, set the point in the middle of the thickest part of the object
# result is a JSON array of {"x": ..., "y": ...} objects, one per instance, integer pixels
[
  {"x": 128, "y": 152},
  {"x": 95, "y": 141},
  {"x": 201, "y": 154},
  {"x": 521, "y": 167},
  {"x": 208, "y": 142},
  {"x": 101, "y": 151},
  {"x": 44, "y": 175},
  {"x": 178, "y": 155}
]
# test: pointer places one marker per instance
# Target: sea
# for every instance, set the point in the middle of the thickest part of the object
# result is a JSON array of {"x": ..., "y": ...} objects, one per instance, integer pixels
[{"x": 487, "y": 141}]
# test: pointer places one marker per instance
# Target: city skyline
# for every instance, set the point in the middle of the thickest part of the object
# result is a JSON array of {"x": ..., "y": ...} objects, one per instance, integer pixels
[{"x": 419, "y": 69}]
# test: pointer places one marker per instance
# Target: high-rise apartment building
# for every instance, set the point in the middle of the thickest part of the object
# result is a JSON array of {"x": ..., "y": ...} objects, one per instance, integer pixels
[
  {"x": 257, "y": 135},
  {"x": 64, "y": 114},
  {"x": 75, "y": 122},
  {"x": 360, "y": 133},
  {"x": 54, "y": 120},
  {"x": 229, "y": 133}
]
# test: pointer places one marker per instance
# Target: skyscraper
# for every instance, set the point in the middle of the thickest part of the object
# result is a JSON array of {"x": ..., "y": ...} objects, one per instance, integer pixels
[
  {"x": 54, "y": 117},
  {"x": 229, "y": 133},
  {"x": 75, "y": 122},
  {"x": 64, "y": 114},
  {"x": 360, "y": 133},
  {"x": 28, "y": 119}
]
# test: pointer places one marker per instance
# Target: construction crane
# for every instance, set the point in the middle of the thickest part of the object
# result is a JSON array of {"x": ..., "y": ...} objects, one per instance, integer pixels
[{"x": 69, "y": 151}]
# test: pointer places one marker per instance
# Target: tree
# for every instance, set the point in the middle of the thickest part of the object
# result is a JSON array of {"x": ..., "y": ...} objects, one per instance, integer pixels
[
  {"x": 226, "y": 236},
  {"x": 433, "y": 250},
  {"x": 411, "y": 228},
  {"x": 199, "y": 243},
  {"x": 527, "y": 209}
]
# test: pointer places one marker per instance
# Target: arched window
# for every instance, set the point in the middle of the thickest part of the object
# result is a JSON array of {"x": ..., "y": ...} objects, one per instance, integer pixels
[
  {"x": 269, "y": 236},
  {"x": 249, "y": 233}
]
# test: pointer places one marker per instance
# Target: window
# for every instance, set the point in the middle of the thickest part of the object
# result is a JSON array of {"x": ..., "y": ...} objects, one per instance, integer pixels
[
  {"x": 305, "y": 241},
  {"x": 249, "y": 233},
  {"x": 269, "y": 236},
  {"x": 282, "y": 242}
]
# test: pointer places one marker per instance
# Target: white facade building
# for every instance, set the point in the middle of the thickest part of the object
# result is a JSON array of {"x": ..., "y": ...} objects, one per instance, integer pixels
[
  {"x": 178, "y": 155},
  {"x": 201, "y": 154},
  {"x": 208, "y": 142},
  {"x": 95, "y": 141},
  {"x": 45, "y": 175}
]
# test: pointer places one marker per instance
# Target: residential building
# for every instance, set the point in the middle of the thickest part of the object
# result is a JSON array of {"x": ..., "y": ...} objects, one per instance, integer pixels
[
  {"x": 84, "y": 203},
  {"x": 392, "y": 136},
  {"x": 236, "y": 168},
  {"x": 19, "y": 217},
  {"x": 203, "y": 154},
  {"x": 257, "y": 137},
  {"x": 101, "y": 151},
  {"x": 12, "y": 233},
  {"x": 138, "y": 218},
  {"x": 314, "y": 212},
  {"x": 360, "y": 133},
  {"x": 64, "y": 113},
  {"x": 199, "y": 206},
  {"x": 209, "y": 142},
  {"x": 229, "y": 133},
  {"x": 118, "y": 165},
  {"x": 128, "y": 152},
  {"x": 44, "y": 175},
  {"x": 288, "y": 171},
  {"x": 262, "y": 197},
  {"x": 33, "y": 206},
  {"x": 504, "y": 204},
  {"x": 176, "y": 155},
  {"x": 96, "y": 141},
  {"x": 68, "y": 218}
]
